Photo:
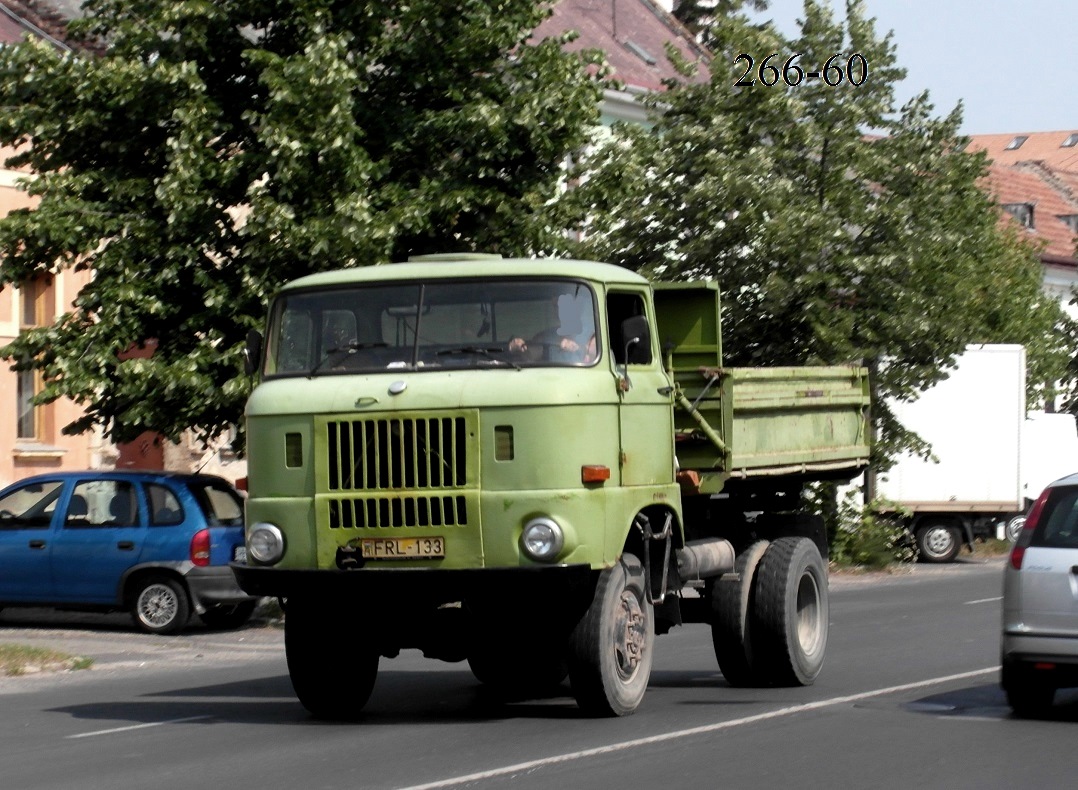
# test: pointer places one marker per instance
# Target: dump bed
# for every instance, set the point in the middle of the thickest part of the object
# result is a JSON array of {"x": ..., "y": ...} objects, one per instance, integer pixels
[{"x": 755, "y": 422}]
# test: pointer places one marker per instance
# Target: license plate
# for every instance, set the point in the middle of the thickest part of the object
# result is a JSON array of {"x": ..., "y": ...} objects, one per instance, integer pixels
[
  {"x": 239, "y": 554},
  {"x": 402, "y": 548}
]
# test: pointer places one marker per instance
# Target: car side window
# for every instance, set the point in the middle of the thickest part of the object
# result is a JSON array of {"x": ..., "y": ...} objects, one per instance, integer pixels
[
  {"x": 221, "y": 505},
  {"x": 30, "y": 506},
  {"x": 165, "y": 508},
  {"x": 102, "y": 503}
]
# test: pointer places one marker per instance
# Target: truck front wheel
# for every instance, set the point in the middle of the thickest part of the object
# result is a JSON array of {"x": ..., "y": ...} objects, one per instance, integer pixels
[
  {"x": 316, "y": 648},
  {"x": 937, "y": 541},
  {"x": 610, "y": 650},
  {"x": 790, "y": 613}
]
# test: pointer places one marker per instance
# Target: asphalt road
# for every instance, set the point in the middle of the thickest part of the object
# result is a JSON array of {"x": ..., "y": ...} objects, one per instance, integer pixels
[{"x": 908, "y": 698}]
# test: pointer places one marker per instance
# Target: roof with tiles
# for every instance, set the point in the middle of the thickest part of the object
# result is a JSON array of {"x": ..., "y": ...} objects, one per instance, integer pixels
[
  {"x": 633, "y": 34},
  {"x": 42, "y": 18},
  {"x": 1033, "y": 185},
  {"x": 1058, "y": 150}
]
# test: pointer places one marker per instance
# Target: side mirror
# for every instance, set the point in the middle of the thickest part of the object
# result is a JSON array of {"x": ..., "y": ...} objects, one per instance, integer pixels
[{"x": 252, "y": 352}]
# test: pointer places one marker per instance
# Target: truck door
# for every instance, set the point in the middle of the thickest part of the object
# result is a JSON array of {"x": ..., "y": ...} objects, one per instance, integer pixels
[{"x": 646, "y": 414}]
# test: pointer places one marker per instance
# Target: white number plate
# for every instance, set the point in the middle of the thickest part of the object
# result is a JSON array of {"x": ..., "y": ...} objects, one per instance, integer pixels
[{"x": 402, "y": 548}]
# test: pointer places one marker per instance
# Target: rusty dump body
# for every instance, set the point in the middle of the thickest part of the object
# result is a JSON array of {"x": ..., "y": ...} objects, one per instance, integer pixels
[{"x": 457, "y": 436}]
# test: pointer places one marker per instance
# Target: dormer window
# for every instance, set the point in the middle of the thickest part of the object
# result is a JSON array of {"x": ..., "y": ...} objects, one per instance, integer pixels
[
  {"x": 1023, "y": 212},
  {"x": 1071, "y": 141},
  {"x": 1016, "y": 143}
]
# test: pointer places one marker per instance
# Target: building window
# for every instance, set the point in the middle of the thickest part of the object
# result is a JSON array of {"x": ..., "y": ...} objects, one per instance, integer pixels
[
  {"x": 1016, "y": 143},
  {"x": 1071, "y": 141},
  {"x": 32, "y": 313},
  {"x": 1023, "y": 212},
  {"x": 1070, "y": 220}
]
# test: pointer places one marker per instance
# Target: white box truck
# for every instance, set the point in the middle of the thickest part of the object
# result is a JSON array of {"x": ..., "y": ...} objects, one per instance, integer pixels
[{"x": 990, "y": 458}]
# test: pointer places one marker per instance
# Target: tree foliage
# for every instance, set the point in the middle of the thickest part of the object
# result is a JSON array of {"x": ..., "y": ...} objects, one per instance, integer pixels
[
  {"x": 840, "y": 227},
  {"x": 217, "y": 149}
]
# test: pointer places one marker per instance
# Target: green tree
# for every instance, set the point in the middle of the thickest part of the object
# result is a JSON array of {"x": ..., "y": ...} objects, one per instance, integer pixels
[
  {"x": 840, "y": 227},
  {"x": 213, "y": 150}
]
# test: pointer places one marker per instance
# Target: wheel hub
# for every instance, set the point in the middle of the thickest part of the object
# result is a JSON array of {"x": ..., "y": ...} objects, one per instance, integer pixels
[{"x": 630, "y": 635}]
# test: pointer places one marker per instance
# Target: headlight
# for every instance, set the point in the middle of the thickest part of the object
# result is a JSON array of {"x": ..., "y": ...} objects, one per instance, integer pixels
[
  {"x": 265, "y": 543},
  {"x": 542, "y": 539}
]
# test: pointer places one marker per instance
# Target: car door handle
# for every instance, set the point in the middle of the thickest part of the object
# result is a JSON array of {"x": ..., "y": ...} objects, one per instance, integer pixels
[
  {"x": 37, "y": 544},
  {"x": 125, "y": 545}
]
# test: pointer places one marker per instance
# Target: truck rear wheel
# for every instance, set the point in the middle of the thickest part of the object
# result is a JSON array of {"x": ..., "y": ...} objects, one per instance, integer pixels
[
  {"x": 937, "y": 541},
  {"x": 316, "y": 648},
  {"x": 731, "y": 632},
  {"x": 790, "y": 613},
  {"x": 610, "y": 650}
]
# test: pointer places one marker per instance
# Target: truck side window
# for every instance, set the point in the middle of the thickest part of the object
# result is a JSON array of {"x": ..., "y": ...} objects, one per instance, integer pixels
[{"x": 619, "y": 307}]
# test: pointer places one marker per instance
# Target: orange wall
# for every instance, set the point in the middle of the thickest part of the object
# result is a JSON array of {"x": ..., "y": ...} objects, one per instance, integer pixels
[{"x": 52, "y": 450}]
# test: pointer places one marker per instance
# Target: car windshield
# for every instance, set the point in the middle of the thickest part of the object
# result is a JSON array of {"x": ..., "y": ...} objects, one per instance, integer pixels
[{"x": 510, "y": 323}]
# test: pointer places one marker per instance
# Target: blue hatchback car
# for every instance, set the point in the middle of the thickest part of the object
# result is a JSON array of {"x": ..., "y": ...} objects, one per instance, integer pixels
[{"x": 155, "y": 544}]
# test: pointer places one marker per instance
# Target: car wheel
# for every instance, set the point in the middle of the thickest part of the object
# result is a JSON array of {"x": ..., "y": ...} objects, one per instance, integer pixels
[
  {"x": 1028, "y": 696},
  {"x": 937, "y": 541},
  {"x": 228, "y": 616},
  {"x": 160, "y": 605}
]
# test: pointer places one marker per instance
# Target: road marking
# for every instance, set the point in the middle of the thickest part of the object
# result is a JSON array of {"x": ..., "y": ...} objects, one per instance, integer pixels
[
  {"x": 985, "y": 600},
  {"x": 531, "y": 765},
  {"x": 137, "y": 727}
]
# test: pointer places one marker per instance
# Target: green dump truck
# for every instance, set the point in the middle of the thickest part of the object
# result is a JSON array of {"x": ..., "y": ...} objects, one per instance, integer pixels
[{"x": 534, "y": 466}]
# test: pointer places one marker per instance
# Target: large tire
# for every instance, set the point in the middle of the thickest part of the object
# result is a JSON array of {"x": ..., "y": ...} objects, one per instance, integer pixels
[
  {"x": 790, "y": 613},
  {"x": 731, "y": 623},
  {"x": 610, "y": 650},
  {"x": 1028, "y": 696},
  {"x": 938, "y": 541},
  {"x": 512, "y": 668},
  {"x": 159, "y": 605},
  {"x": 332, "y": 674},
  {"x": 228, "y": 616}
]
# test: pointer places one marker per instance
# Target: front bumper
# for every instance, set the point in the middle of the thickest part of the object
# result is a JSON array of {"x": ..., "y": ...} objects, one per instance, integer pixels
[{"x": 388, "y": 584}]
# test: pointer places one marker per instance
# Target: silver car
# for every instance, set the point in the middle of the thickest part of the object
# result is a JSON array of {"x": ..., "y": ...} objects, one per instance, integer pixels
[{"x": 1039, "y": 648}]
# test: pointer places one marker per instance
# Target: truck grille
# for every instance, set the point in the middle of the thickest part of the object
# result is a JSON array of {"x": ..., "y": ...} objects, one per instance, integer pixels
[
  {"x": 398, "y": 471},
  {"x": 411, "y": 511},
  {"x": 394, "y": 454}
]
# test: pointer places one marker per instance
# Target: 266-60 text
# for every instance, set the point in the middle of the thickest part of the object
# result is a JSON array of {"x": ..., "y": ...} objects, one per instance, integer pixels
[{"x": 838, "y": 67}]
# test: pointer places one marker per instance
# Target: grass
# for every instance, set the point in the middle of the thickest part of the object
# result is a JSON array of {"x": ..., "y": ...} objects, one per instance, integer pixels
[{"x": 18, "y": 660}]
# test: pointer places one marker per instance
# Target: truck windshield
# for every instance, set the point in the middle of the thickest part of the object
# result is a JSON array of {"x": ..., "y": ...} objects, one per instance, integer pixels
[{"x": 510, "y": 323}]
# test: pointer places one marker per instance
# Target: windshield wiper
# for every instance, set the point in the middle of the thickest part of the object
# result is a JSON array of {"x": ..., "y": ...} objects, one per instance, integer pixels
[
  {"x": 482, "y": 351},
  {"x": 347, "y": 348}
]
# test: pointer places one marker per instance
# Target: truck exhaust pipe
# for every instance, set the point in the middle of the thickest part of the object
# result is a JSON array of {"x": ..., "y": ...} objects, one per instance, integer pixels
[{"x": 702, "y": 559}]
